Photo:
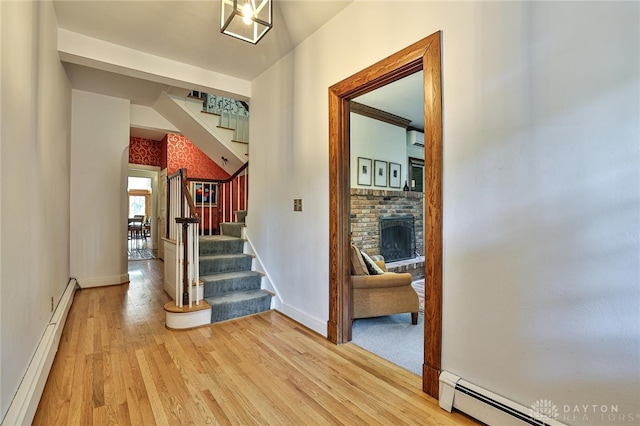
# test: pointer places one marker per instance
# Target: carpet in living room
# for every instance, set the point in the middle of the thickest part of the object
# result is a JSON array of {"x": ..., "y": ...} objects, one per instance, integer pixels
[{"x": 393, "y": 338}]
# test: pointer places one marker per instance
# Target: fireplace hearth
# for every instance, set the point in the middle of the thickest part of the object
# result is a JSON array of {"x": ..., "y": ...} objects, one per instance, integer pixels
[{"x": 397, "y": 238}]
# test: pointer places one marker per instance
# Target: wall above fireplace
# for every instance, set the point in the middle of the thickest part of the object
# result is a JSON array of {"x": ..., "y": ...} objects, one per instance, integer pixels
[{"x": 369, "y": 205}]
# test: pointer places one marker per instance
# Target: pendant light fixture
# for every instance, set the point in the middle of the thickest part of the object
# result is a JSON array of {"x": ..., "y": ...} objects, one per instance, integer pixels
[{"x": 248, "y": 20}]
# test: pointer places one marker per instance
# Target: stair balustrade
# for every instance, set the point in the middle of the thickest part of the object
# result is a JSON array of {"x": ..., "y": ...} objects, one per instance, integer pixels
[
  {"x": 217, "y": 200},
  {"x": 234, "y": 194},
  {"x": 233, "y": 114},
  {"x": 206, "y": 203},
  {"x": 183, "y": 227}
]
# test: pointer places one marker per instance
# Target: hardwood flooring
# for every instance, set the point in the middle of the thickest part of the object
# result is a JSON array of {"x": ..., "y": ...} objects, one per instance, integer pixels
[{"x": 118, "y": 364}]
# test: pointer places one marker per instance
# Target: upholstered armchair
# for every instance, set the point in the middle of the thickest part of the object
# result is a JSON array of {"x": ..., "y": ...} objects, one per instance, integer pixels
[{"x": 376, "y": 292}]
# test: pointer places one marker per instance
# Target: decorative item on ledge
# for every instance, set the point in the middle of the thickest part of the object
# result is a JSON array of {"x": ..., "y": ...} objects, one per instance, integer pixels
[{"x": 247, "y": 20}]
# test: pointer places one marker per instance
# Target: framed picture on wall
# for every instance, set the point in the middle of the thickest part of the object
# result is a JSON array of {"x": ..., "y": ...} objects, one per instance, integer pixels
[
  {"x": 364, "y": 171},
  {"x": 394, "y": 175},
  {"x": 204, "y": 193},
  {"x": 380, "y": 170}
]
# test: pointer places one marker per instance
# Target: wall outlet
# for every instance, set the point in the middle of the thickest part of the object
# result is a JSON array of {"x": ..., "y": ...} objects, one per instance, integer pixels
[{"x": 297, "y": 204}]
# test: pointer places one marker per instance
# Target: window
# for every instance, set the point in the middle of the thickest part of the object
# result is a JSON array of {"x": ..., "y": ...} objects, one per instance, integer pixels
[
  {"x": 416, "y": 174},
  {"x": 139, "y": 202},
  {"x": 139, "y": 196}
]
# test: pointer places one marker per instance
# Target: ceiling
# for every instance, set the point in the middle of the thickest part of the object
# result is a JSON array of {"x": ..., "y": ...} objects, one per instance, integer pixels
[
  {"x": 404, "y": 98},
  {"x": 188, "y": 31}
]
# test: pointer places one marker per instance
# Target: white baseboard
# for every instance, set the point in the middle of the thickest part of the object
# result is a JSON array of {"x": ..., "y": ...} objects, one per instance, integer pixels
[
  {"x": 488, "y": 407},
  {"x": 25, "y": 402},
  {"x": 86, "y": 282},
  {"x": 277, "y": 303},
  {"x": 267, "y": 281},
  {"x": 305, "y": 319}
]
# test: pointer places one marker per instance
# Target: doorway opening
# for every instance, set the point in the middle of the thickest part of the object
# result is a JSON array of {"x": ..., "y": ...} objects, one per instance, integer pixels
[
  {"x": 142, "y": 195},
  {"x": 139, "y": 191},
  {"x": 424, "y": 55}
]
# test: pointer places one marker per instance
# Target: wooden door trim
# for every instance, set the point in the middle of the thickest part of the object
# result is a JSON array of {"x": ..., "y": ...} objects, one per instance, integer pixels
[{"x": 424, "y": 55}]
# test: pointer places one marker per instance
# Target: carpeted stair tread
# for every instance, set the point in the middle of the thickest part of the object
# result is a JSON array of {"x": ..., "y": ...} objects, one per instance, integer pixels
[
  {"x": 231, "y": 287},
  {"x": 237, "y": 296},
  {"x": 220, "y": 244},
  {"x": 226, "y": 256},
  {"x": 229, "y": 275},
  {"x": 219, "y": 263},
  {"x": 227, "y": 282},
  {"x": 238, "y": 304}
]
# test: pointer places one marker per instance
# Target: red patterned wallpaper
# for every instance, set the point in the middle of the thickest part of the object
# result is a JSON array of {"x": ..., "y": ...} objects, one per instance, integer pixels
[
  {"x": 145, "y": 151},
  {"x": 181, "y": 152}
]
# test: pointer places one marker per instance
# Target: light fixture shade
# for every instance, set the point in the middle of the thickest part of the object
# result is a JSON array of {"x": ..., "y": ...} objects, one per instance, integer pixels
[{"x": 258, "y": 22}]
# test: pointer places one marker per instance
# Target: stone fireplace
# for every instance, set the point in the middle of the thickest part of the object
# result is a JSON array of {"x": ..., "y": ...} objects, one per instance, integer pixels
[{"x": 369, "y": 206}]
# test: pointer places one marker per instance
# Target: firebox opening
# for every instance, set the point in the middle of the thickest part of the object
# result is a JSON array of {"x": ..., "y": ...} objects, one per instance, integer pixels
[{"x": 397, "y": 238}]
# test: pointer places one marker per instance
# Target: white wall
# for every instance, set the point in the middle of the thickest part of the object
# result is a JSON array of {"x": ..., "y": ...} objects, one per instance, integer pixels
[
  {"x": 145, "y": 117},
  {"x": 377, "y": 140},
  {"x": 34, "y": 184},
  {"x": 99, "y": 204},
  {"x": 541, "y": 186},
  {"x": 279, "y": 172}
]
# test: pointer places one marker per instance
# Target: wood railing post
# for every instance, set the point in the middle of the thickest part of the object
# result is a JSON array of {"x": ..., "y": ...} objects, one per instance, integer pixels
[
  {"x": 185, "y": 222},
  {"x": 185, "y": 265}
]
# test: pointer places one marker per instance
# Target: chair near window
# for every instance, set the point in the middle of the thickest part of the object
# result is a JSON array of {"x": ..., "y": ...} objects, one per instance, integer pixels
[
  {"x": 136, "y": 227},
  {"x": 147, "y": 229}
]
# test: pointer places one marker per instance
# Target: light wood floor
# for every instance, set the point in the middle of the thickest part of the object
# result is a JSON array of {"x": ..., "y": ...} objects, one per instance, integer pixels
[{"x": 118, "y": 364}]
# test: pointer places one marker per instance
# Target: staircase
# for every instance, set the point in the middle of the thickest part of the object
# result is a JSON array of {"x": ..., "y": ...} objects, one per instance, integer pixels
[
  {"x": 235, "y": 229},
  {"x": 201, "y": 129},
  {"x": 230, "y": 286}
]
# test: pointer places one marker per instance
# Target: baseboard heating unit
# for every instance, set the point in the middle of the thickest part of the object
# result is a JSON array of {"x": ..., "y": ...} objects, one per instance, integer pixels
[{"x": 486, "y": 406}]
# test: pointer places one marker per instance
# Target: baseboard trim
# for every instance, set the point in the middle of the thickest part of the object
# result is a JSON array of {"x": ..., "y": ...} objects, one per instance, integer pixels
[
  {"x": 103, "y": 281},
  {"x": 305, "y": 319},
  {"x": 259, "y": 266},
  {"x": 25, "y": 402}
]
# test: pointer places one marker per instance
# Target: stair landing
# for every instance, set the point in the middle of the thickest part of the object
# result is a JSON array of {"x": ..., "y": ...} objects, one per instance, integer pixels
[{"x": 185, "y": 317}]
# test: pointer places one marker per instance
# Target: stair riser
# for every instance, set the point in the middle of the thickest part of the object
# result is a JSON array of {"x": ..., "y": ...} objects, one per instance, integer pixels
[
  {"x": 221, "y": 247},
  {"x": 220, "y": 287},
  {"x": 232, "y": 229},
  {"x": 232, "y": 310},
  {"x": 213, "y": 266}
]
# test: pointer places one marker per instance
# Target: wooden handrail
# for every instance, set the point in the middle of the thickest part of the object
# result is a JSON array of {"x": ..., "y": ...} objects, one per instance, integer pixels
[
  {"x": 229, "y": 180},
  {"x": 187, "y": 195},
  {"x": 174, "y": 174},
  {"x": 223, "y": 181},
  {"x": 237, "y": 173}
]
